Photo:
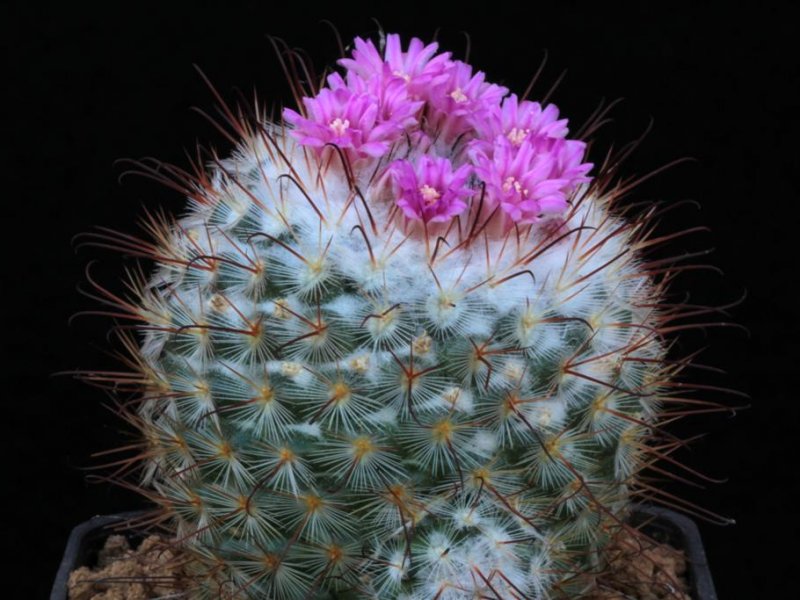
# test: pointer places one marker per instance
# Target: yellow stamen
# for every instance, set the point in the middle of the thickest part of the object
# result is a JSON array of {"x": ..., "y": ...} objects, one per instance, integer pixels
[
  {"x": 339, "y": 125},
  {"x": 517, "y": 136},
  {"x": 459, "y": 96},
  {"x": 429, "y": 194}
]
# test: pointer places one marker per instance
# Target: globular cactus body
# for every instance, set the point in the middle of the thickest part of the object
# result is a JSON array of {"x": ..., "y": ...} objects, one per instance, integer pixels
[{"x": 400, "y": 346}]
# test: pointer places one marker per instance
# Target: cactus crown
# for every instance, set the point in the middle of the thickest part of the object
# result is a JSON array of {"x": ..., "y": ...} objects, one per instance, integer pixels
[{"x": 402, "y": 345}]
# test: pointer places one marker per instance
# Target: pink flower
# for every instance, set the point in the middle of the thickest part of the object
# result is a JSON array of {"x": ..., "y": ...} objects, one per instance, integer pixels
[
  {"x": 569, "y": 154},
  {"x": 394, "y": 104},
  {"x": 527, "y": 182},
  {"x": 461, "y": 98},
  {"x": 347, "y": 119},
  {"x": 518, "y": 121},
  {"x": 430, "y": 190},
  {"x": 417, "y": 68},
  {"x": 517, "y": 147}
]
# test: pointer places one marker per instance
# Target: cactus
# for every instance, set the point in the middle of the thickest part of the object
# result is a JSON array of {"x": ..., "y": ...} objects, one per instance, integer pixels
[{"x": 404, "y": 344}]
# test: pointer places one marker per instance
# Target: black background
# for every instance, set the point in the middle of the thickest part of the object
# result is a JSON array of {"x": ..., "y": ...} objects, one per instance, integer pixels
[{"x": 90, "y": 86}]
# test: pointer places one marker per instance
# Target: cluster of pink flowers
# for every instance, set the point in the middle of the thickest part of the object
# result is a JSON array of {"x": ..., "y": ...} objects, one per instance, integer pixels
[{"x": 470, "y": 131}]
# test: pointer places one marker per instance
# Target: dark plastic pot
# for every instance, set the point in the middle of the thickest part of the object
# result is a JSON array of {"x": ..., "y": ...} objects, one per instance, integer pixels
[
  {"x": 663, "y": 525},
  {"x": 668, "y": 526},
  {"x": 84, "y": 544}
]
